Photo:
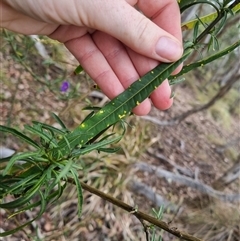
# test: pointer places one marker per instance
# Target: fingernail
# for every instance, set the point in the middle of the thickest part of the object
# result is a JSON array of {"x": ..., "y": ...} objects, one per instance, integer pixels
[{"x": 168, "y": 49}]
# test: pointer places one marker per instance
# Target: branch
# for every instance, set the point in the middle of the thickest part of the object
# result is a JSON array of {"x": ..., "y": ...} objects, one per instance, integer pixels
[
  {"x": 216, "y": 20},
  {"x": 138, "y": 214}
]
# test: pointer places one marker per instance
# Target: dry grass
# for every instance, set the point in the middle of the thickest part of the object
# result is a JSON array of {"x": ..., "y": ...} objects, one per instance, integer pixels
[{"x": 217, "y": 222}]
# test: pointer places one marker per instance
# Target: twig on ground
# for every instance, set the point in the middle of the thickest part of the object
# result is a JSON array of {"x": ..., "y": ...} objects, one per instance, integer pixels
[
  {"x": 158, "y": 200},
  {"x": 178, "y": 168},
  {"x": 158, "y": 122},
  {"x": 188, "y": 182}
]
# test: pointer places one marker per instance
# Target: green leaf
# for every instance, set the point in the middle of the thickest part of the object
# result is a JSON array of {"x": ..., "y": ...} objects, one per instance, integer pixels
[
  {"x": 59, "y": 121},
  {"x": 90, "y": 114},
  {"x": 78, "y": 70},
  {"x": 109, "y": 150},
  {"x": 207, "y": 18},
  {"x": 37, "y": 130},
  {"x": 19, "y": 157},
  {"x": 94, "y": 108},
  {"x": 79, "y": 191},
  {"x": 24, "y": 182},
  {"x": 195, "y": 31},
  {"x": 41, "y": 211},
  {"x": 120, "y": 106},
  {"x": 19, "y": 135},
  {"x": 185, "y": 4},
  {"x": 27, "y": 196},
  {"x": 95, "y": 146},
  {"x": 204, "y": 61},
  {"x": 50, "y": 128},
  {"x": 64, "y": 170}
]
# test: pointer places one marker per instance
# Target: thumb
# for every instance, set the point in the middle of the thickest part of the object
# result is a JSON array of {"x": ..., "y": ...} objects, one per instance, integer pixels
[{"x": 138, "y": 32}]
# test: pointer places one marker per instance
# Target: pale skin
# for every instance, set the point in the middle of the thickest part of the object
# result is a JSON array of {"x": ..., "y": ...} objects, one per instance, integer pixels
[{"x": 114, "y": 42}]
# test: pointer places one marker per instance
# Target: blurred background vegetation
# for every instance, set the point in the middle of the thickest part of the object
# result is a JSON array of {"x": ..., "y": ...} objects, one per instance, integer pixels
[{"x": 202, "y": 144}]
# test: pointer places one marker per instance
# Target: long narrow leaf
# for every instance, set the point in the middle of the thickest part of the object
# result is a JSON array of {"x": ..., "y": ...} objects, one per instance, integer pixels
[
  {"x": 42, "y": 134},
  {"x": 19, "y": 135},
  {"x": 204, "y": 61},
  {"x": 205, "y": 19},
  {"x": 96, "y": 146},
  {"x": 79, "y": 191},
  {"x": 24, "y": 199},
  {"x": 50, "y": 128},
  {"x": 185, "y": 4},
  {"x": 59, "y": 121},
  {"x": 121, "y": 106},
  {"x": 19, "y": 157},
  {"x": 41, "y": 211},
  {"x": 22, "y": 183}
]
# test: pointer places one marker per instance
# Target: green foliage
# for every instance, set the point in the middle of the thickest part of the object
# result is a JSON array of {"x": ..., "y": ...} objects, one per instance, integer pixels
[
  {"x": 37, "y": 178},
  {"x": 158, "y": 214}
]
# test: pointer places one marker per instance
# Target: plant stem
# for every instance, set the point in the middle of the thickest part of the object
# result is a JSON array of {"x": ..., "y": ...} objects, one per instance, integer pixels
[
  {"x": 138, "y": 214},
  {"x": 215, "y": 21}
]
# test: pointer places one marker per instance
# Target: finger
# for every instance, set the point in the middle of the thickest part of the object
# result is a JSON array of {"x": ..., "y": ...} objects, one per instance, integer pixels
[
  {"x": 159, "y": 12},
  {"x": 135, "y": 30},
  {"x": 15, "y": 21},
  {"x": 117, "y": 57},
  {"x": 169, "y": 10},
  {"x": 161, "y": 97},
  {"x": 165, "y": 14},
  {"x": 95, "y": 64},
  {"x": 115, "y": 17}
]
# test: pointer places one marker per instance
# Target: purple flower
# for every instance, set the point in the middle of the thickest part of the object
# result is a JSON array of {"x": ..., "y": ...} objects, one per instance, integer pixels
[{"x": 65, "y": 86}]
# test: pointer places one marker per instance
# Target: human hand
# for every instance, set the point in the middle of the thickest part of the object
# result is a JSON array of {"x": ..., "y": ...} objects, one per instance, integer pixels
[{"x": 114, "y": 42}]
